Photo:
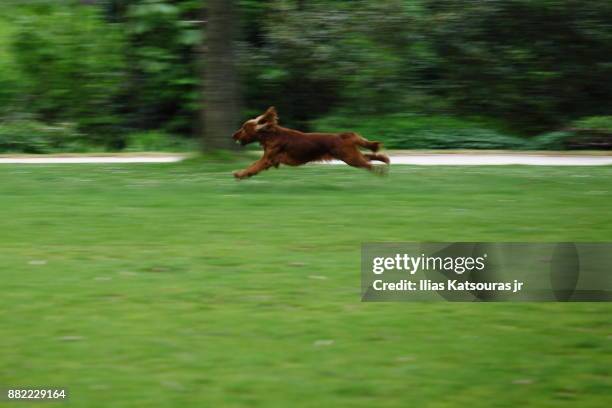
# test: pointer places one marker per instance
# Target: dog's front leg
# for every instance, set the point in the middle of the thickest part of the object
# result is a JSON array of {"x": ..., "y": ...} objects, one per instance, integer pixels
[{"x": 253, "y": 169}]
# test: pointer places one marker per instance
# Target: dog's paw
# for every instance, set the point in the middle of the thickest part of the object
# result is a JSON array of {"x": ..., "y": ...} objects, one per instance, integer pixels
[
  {"x": 239, "y": 175},
  {"x": 381, "y": 170}
]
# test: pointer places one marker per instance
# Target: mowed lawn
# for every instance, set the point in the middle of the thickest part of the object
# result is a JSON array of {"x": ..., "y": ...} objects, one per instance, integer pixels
[{"x": 174, "y": 285}]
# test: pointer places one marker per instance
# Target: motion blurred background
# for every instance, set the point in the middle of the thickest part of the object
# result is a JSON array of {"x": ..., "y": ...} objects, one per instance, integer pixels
[{"x": 129, "y": 74}]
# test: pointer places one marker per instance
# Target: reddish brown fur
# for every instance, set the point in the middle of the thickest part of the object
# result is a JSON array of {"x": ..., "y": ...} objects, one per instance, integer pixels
[{"x": 292, "y": 147}]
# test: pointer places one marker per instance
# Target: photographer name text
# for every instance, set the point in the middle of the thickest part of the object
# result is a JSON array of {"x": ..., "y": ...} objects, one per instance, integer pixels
[
  {"x": 458, "y": 265},
  {"x": 451, "y": 284}
]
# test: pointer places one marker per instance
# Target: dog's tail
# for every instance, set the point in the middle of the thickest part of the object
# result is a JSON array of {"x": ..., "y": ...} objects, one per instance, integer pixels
[
  {"x": 373, "y": 146},
  {"x": 361, "y": 141}
]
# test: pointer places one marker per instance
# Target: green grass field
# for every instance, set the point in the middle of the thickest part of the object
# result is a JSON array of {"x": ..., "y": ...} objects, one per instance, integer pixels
[{"x": 174, "y": 285}]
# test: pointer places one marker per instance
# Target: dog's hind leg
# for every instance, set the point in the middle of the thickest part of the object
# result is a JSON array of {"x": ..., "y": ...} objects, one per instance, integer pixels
[
  {"x": 354, "y": 158},
  {"x": 377, "y": 156},
  {"x": 363, "y": 160}
]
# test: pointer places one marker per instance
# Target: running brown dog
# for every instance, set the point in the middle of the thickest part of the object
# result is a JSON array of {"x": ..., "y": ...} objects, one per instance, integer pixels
[{"x": 292, "y": 147}]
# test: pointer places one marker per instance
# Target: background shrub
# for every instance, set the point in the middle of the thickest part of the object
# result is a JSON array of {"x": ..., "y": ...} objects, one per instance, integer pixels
[
  {"x": 551, "y": 141},
  {"x": 154, "y": 140},
  {"x": 73, "y": 68},
  {"x": 594, "y": 133},
  {"x": 30, "y": 136},
  {"x": 597, "y": 123}
]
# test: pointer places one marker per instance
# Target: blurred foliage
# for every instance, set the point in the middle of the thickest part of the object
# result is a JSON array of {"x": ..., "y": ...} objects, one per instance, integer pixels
[
  {"x": 535, "y": 63},
  {"x": 155, "y": 140},
  {"x": 594, "y": 132},
  {"x": 603, "y": 123},
  {"x": 551, "y": 140},
  {"x": 119, "y": 67},
  {"x": 31, "y": 136},
  {"x": 72, "y": 68},
  {"x": 324, "y": 54},
  {"x": 163, "y": 40}
]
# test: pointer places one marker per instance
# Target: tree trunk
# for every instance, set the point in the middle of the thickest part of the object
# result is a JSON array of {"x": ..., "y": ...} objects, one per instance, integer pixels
[{"x": 220, "y": 98}]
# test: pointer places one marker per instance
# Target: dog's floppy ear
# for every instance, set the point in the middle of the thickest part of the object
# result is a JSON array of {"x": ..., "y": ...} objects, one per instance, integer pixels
[{"x": 269, "y": 118}]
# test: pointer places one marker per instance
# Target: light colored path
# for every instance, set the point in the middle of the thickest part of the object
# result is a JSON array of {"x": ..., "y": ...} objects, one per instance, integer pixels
[
  {"x": 418, "y": 159},
  {"x": 466, "y": 159}
]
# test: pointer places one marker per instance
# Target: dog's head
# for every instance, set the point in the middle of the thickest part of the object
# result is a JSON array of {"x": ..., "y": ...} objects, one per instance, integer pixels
[{"x": 251, "y": 129}]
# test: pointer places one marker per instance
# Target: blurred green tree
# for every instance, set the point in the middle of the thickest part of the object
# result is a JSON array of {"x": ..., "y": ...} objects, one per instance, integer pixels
[
  {"x": 220, "y": 103},
  {"x": 316, "y": 56},
  {"x": 163, "y": 81},
  {"x": 533, "y": 63},
  {"x": 73, "y": 67}
]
